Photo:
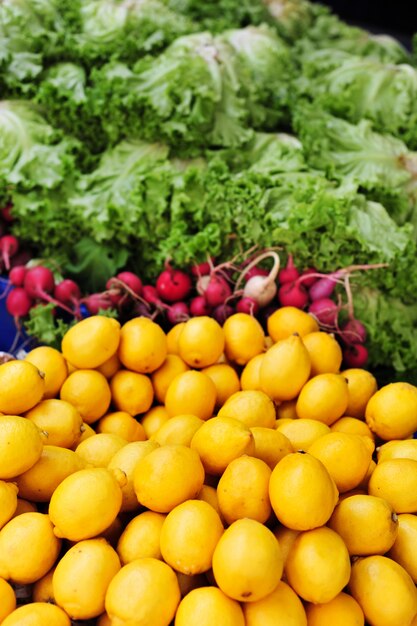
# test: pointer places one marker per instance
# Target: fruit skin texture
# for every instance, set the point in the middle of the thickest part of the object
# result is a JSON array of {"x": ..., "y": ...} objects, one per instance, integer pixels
[
  {"x": 318, "y": 565},
  {"x": 343, "y": 610},
  {"x": 384, "y": 590},
  {"x": 60, "y": 420},
  {"x": 22, "y": 386},
  {"x": 82, "y": 576},
  {"x": 301, "y": 478},
  {"x": 131, "y": 392},
  {"x": 361, "y": 386},
  {"x": 91, "y": 342},
  {"x": 53, "y": 365},
  {"x": 37, "y": 614},
  {"x": 247, "y": 561},
  {"x": 288, "y": 320},
  {"x": 178, "y": 430},
  {"x": 123, "y": 424},
  {"x": 225, "y": 380},
  {"x": 325, "y": 353},
  {"x": 98, "y": 450},
  {"x": 285, "y": 368},
  {"x": 208, "y": 606},
  {"x": 281, "y": 608},
  {"x": 253, "y": 408},
  {"x": 144, "y": 593},
  {"x": 191, "y": 392},
  {"x": 164, "y": 375},
  {"x": 141, "y": 537},
  {"x": 201, "y": 342},
  {"x": 42, "y": 590},
  {"x": 396, "y": 481},
  {"x": 143, "y": 345},
  {"x": 302, "y": 432},
  {"x": 7, "y": 599},
  {"x": 270, "y": 445},
  {"x": 324, "y": 397},
  {"x": 8, "y": 501},
  {"x": 403, "y": 551},
  {"x": 391, "y": 412},
  {"x": 28, "y": 548},
  {"x": 397, "y": 449},
  {"x": 367, "y": 524},
  {"x": 244, "y": 338},
  {"x": 89, "y": 392}
]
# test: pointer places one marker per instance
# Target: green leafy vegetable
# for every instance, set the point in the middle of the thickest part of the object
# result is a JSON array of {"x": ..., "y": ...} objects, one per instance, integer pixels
[{"x": 45, "y": 326}]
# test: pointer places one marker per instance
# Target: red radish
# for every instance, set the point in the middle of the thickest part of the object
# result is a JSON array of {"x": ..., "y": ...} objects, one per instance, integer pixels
[
  {"x": 355, "y": 355},
  {"x": 150, "y": 295},
  {"x": 199, "y": 306},
  {"x": 202, "y": 269},
  {"x": 2, "y": 229},
  {"x": 17, "y": 275},
  {"x": 309, "y": 277},
  {"x": 325, "y": 311},
  {"x": 18, "y": 303},
  {"x": 173, "y": 285},
  {"x": 9, "y": 245},
  {"x": 222, "y": 312},
  {"x": 129, "y": 280},
  {"x": 141, "y": 309},
  {"x": 247, "y": 305},
  {"x": 6, "y": 213},
  {"x": 96, "y": 301},
  {"x": 39, "y": 283},
  {"x": 289, "y": 273},
  {"x": 324, "y": 287},
  {"x": 20, "y": 258},
  {"x": 293, "y": 294},
  {"x": 262, "y": 289},
  {"x": 214, "y": 288},
  {"x": 67, "y": 291},
  {"x": 178, "y": 312},
  {"x": 256, "y": 271},
  {"x": 353, "y": 332}
]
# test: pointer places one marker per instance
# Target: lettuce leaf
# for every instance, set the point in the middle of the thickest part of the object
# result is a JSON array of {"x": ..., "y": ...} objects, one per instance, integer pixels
[{"x": 219, "y": 15}]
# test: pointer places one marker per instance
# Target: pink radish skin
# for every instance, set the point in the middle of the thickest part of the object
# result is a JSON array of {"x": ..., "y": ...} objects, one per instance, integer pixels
[
  {"x": 97, "y": 301},
  {"x": 355, "y": 356},
  {"x": 309, "y": 277},
  {"x": 289, "y": 273},
  {"x": 178, "y": 312},
  {"x": 150, "y": 295},
  {"x": 18, "y": 303},
  {"x": 199, "y": 306},
  {"x": 353, "y": 332},
  {"x": 203, "y": 269},
  {"x": 9, "y": 246},
  {"x": 216, "y": 291},
  {"x": 324, "y": 287},
  {"x": 67, "y": 291},
  {"x": 256, "y": 271},
  {"x": 247, "y": 305},
  {"x": 6, "y": 213},
  {"x": 293, "y": 294},
  {"x": 222, "y": 312},
  {"x": 325, "y": 311},
  {"x": 39, "y": 283},
  {"x": 173, "y": 285},
  {"x": 129, "y": 280},
  {"x": 17, "y": 275}
]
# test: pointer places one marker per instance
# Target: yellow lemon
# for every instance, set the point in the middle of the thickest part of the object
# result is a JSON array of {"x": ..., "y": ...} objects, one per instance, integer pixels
[
  {"x": 7, "y": 600},
  {"x": 288, "y": 320},
  {"x": 220, "y": 440},
  {"x": 250, "y": 377},
  {"x": 37, "y": 614},
  {"x": 367, "y": 524},
  {"x": 352, "y": 426},
  {"x": 20, "y": 444},
  {"x": 302, "y": 432},
  {"x": 384, "y": 590},
  {"x": 286, "y": 410},
  {"x": 395, "y": 480},
  {"x": 42, "y": 590},
  {"x": 8, "y": 501},
  {"x": 39, "y": 482},
  {"x": 244, "y": 338},
  {"x": 82, "y": 576},
  {"x": 131, "y": 392},
  {"x": 173, "y": 336},
  {"x": 402, "y": 551},
  {"x": 318, "y": 565},
  {"x": 104, "y": 620},
  {"x": 110, "y": 367},
  {"x": 168, "y": 476},
  {"x": 189, "y": 536},
  {"x": 270, "y": 445},
  {"x": 253, "y": 408},
  {"x": 201, "y": 341},
  {"x": 23, "y": 506},
  {"x": 209, "y": 494},
  {"x": 225, "y": 380},
  {"x": 98, "y": 450},
  {"x": 141, "y": 538},
  {"x": 145, "y": 591},
  {"x": 22, "y": 386},
  {"x": 343, "y": 610},
  {"x": 91, "y": 342},
  {"x": 179, "y": 429},
  {"x": 397, "y": 449},
  {"x": 164, "y": 375},
  {"x": 191, "y": 392},
  {"x": 123, "y": 424},
  {"x": 28, "y": 548},
  {"x": 324, "y": 398},
  {"x": 391, "y": 412},
  {"x": 89, "y": 392},
  {"x": 243, "y": 490},
  {"x": 325, "y": 353},
  {"x": 126, "y": 460},
  {"x": 247, "y": 561},
  {"x": 53, "y": 365},
  {"x": 361, "y": 387},
  {"x": 285, "y": 368},
  {"x": 85, "y": 504},
  {"x": 281, "y": 608},
  {"x": 143, "y": 345},
  {"x": 286, "y": 537},
  {"x": 188, "y": 583},
  {"x": 87, "y": 431},
  {"x": 153, "y": 419},
  {"x": 301, "y": 478},
  {"x": 60, "y": 420},
  {"x": 207, "y": 606}
]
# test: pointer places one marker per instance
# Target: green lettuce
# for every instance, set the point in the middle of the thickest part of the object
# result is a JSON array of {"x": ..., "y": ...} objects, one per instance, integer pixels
[
  {"x": 293, "y": 18},
  {"x": 219, "y": 15}
]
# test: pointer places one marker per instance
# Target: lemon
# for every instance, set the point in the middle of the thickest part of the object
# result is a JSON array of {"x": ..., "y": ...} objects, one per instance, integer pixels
[
  {"x": 318, "y": 565},
  {"x": 403, "y": 549},
  {"x": 110, "y": 367},
  {"x": 384, "y": 590},
  {"x": 104, "y": 620},
  {"x": 178, "y": 430},
  {"x": 60, "y": 420},
  {"x": 391, "y": 412},
  {"x": 82, "y": 576},
  {"x": 123, "y": 424},
  {"x": 87, "y": 431},
  {"x": 91, "y": 342},
  {"x": 286, "y": 537},
  {"x": 396, "y": 481},
  {"x": 28, "y": 548},
  {"x": 42, "y": 590},
  {"x": 303, "y": 494},
  {"x": 201, "y": 341},
  {"x": 144, "y": 593},
  {"x": 37, "y": 614},
  {"x": 352, "y": 426},
  {"x": 343, "y": 610},
  {"x": 39, "y": 482},
  {"x": 173, "y": 336},
  {"x": 243, "y": 490},
  {"x": 247, "y": 561},
  {"x": 324, "y": 398},
  {"x": 281, "y": 608},
  {"x": 164, "y": 375},
  {"x": 53, "y": 365},
  {"x": 89, "y": 392},
  {"x": 22, "y": 386},
  {"x": 20, "y": 444},
  {"x": 209, "y": 494},
  {"x": 153, "y": 420},
  {"x": 287, "y": 410},
  {"x": 131, "y": 392},
  {"x": 361, "y": 387},
  {"x": 207, "y": 606},
  {"x": 143, "y": 345},
  {"x": 23, "y": 506},
  {"x": 85, "y": 504},
  {"x": 285, "y": 368},
  {"x": 250, "y": 377},
  {"x": 191, "y": 392},
  {"x": 288, "y": 320},
  {"x": 168, "y": 476},
  {"x": 125, "y": 460},
  {"x": 225, "y": 380},
  {"x": 7, "y": 600},
  {"x": 397, "y": 449},
  {"x": 141, "y": 537},
  {"x": 302, "y": 432},
  {"x": 188, "y": 583},
  {"x": 367, "y": 524},
  {"x": 189, "y": 536},
  {"x": 325, "y": 353},
  {"x": 253, "y": 408},
  {"x": 244, "y": 338},
  {"x": 99, "y": 449},
  {"x": 8, "y": 501},
  {"x": 220, "y": 440}
]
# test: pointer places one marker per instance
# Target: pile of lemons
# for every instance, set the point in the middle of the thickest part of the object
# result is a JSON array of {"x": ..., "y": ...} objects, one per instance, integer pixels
[{"x": 211, "y": 476}]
